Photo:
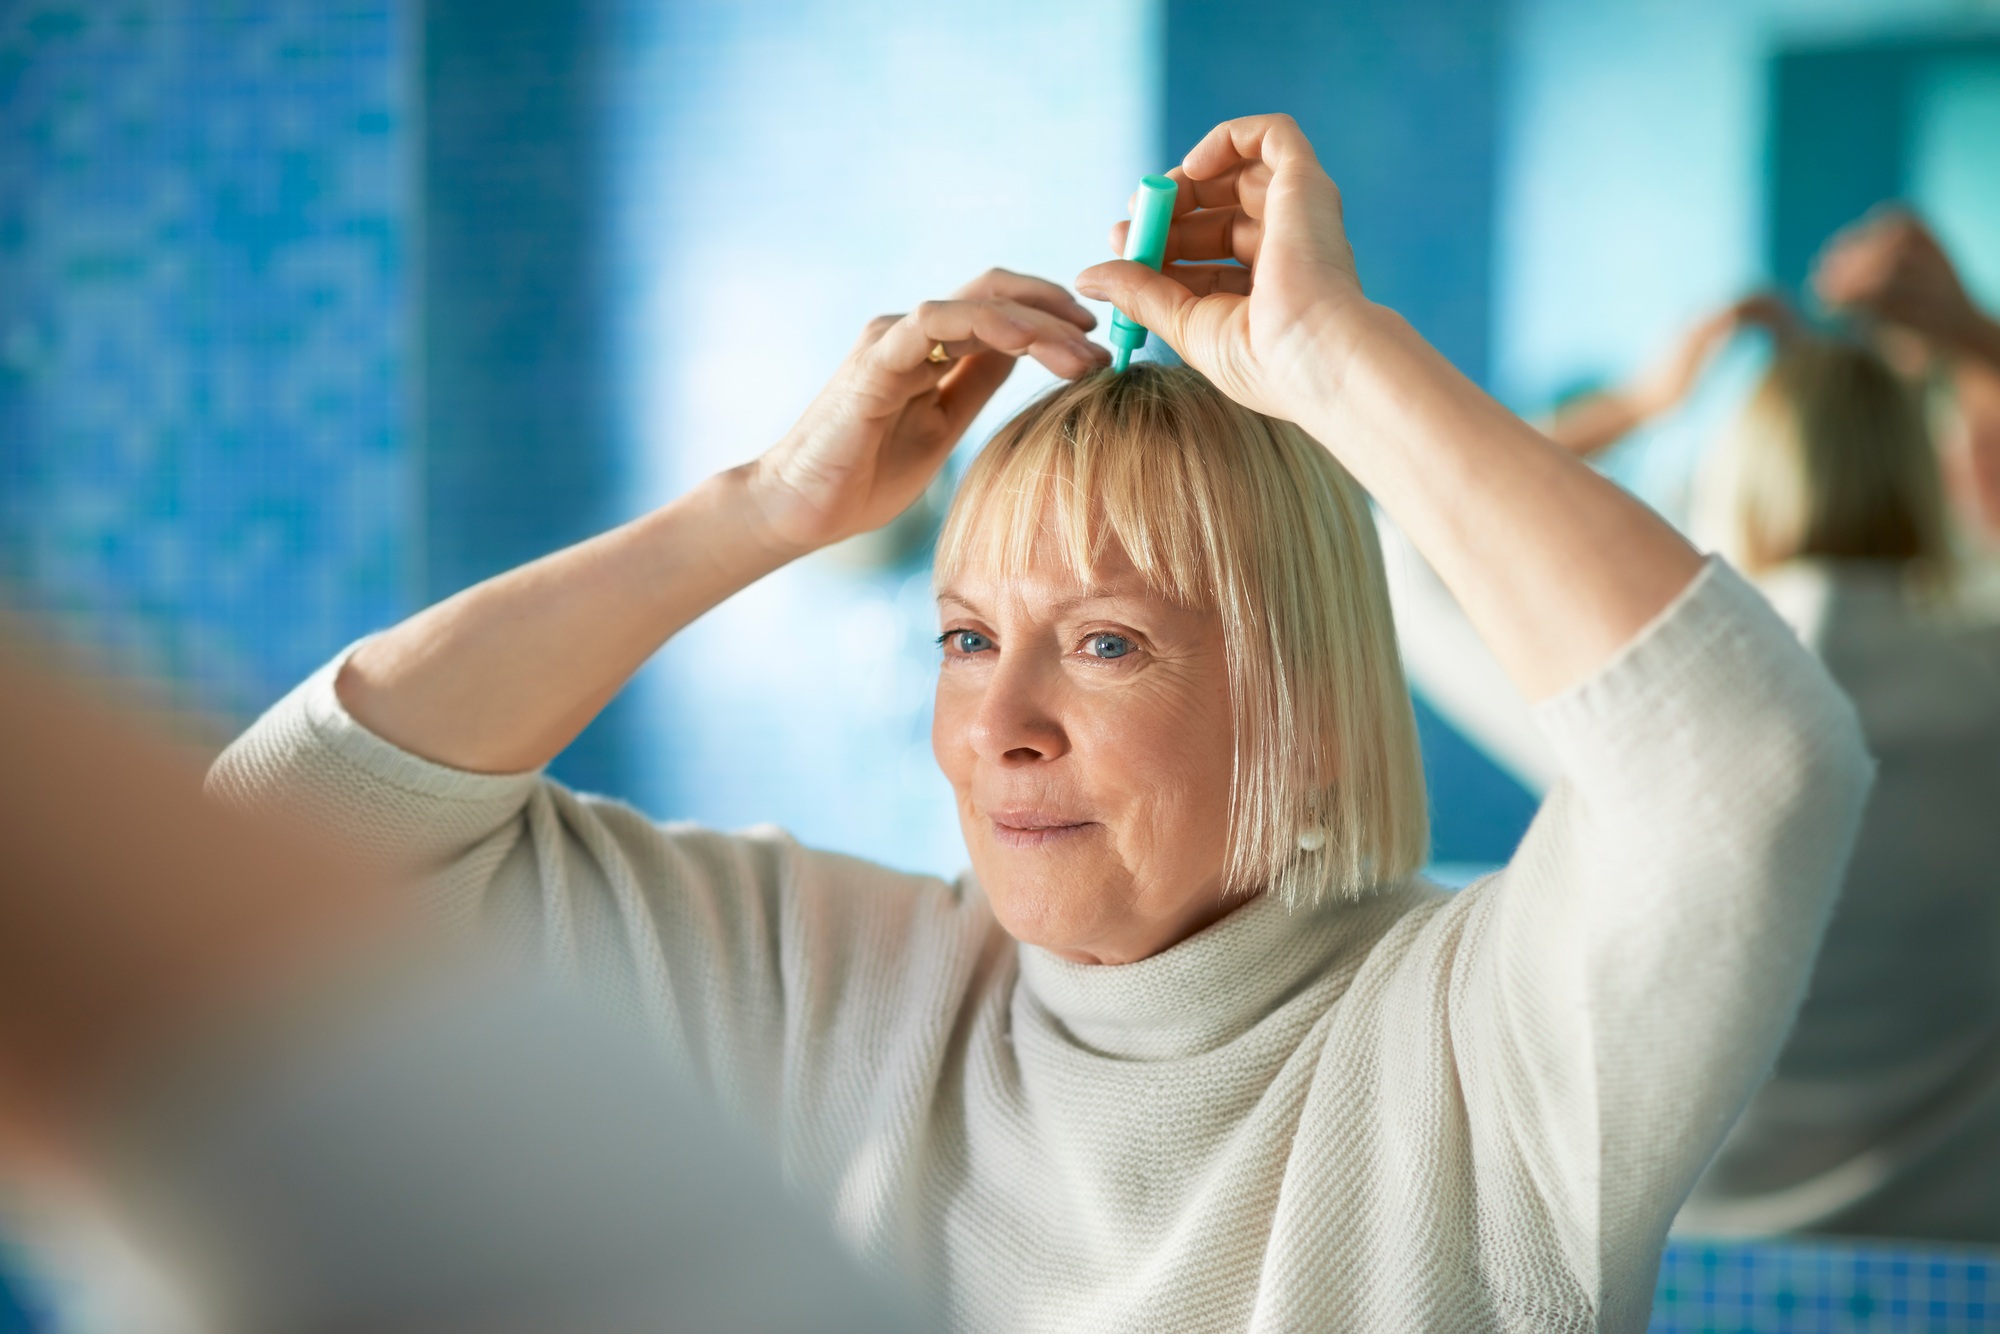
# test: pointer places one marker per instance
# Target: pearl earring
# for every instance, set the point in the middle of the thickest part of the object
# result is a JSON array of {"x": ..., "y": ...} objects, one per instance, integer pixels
[{"x": 1312, "y": 840}]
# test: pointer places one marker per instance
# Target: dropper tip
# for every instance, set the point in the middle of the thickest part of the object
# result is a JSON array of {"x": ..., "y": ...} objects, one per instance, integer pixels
[{"x": 1121, "y": 357}]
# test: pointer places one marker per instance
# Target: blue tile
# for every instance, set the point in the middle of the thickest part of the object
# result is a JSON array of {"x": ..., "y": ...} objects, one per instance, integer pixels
[
  {"x": 204, "y": 435},
  {"x": 1822, "y": 1285}
]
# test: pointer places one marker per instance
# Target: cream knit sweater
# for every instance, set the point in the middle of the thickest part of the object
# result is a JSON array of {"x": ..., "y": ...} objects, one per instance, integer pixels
[{"x": 1415, "y": 1112}]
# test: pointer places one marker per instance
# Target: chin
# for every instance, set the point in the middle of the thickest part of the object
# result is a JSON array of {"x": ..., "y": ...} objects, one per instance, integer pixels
[{"x": 1042, "y": 906}]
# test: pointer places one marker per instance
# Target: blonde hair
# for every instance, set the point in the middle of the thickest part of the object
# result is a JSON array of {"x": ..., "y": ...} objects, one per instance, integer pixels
[
  {"x": 1832, "y": 457},
  {"x": 1218, "y": 506}
]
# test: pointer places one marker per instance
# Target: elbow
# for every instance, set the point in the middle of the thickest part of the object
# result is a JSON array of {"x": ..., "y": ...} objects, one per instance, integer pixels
[{"x": 1812, "y": 772}]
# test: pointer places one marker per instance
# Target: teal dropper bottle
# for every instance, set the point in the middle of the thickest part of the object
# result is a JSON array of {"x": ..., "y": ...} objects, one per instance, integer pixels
[{"x": 1146, "y": 243}]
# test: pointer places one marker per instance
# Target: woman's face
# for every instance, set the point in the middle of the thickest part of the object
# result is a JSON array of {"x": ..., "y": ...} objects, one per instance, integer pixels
[{"x": 1086, "y": 731}]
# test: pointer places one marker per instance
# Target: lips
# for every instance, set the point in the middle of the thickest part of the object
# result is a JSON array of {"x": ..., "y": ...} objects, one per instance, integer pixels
[{"x": 1034, "y": 829}]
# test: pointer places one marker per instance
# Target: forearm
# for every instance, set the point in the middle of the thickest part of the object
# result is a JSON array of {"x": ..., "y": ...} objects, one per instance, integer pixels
[
  {"x": 1556, "y": 567},
  {"x": 1600, "y": 421},
  {"x": 501, "y": 677}
]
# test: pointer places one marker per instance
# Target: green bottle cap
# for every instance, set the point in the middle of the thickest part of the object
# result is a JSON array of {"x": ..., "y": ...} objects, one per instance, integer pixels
[{"x": 1146, "y": 243}]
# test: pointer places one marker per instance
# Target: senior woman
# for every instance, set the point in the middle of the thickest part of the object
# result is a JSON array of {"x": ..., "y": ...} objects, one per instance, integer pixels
[{"x": 1191, "y": 1048}]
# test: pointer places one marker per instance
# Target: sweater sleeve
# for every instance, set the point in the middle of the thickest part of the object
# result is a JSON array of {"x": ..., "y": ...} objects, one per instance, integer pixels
[
  {"x": 779, "y": 976},
  {"x": 1449, "y": 665},
  {"x": 308, "y": 757},
  {"x": 1639, "y": 961}
]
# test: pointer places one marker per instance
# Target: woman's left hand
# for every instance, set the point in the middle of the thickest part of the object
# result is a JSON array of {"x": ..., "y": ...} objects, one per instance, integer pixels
[
  {"x": 1252, "y": 192},
  {"x": 1556, "y": 567}
]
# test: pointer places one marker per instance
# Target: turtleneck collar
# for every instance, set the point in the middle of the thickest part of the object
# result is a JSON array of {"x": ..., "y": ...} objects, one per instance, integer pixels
[{"x": 1215, "y": 985}]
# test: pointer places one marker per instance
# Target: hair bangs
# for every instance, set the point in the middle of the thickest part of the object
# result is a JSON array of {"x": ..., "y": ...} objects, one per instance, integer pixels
[{"x": 1063, "y": 479}]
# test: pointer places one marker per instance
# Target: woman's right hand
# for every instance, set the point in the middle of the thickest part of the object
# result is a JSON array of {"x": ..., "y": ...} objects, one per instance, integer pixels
[
  {"x": 882, "y": 427},
  {"x": 501, "y": 677}
]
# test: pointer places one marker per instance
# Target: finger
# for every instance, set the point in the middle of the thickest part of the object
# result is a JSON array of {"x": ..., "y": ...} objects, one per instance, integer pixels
[
  {"x": 998, "y": 325},
  {"x": 1865, "y": 250},
  {"x": 1275, "y": 140},
  {"x": 871, "y": 332},
  {"x": 1215, "y": 233},
  {"x": 1218, "y": 191},
  {"x": 1243, "y": 186},
  {"x": 955, "y": 351},
  {"x": 1218, "y": 233},
  {"x": 1207, "y": 279},
  {"x": 969, "y": 386},
  {"x": 1158, "y": 301},
  {"x": 963, "y": 326},
  {"x": 1030, "y": 291},
  {"x": 1858, "y": 272}
]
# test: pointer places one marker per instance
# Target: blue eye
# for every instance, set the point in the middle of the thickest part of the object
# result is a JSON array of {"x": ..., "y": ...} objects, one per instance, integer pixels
[
  {"x": 1107, "y": 646},
  {"x": 964, "y": 641}
]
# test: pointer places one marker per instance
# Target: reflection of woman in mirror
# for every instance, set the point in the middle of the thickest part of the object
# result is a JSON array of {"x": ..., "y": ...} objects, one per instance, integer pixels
[
  {"x": 1883, "y": 1113},
  {"x": 1882, "y": 1116},
  {"x": 1888, "y": 270},
  {"x": 1191, "y": 1047}
]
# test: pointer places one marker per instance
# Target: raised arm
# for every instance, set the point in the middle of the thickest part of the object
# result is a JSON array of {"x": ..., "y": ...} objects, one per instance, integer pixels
[
  {"x": 1621, "y": 987},
  {"x": 1556, "y": 567},
  {"x": 501, "y": 677},
  {"x": 1595, "y": 422}
]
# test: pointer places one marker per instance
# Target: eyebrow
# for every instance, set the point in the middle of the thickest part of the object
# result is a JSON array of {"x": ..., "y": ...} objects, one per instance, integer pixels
[{"x": 1093, "y": 594}]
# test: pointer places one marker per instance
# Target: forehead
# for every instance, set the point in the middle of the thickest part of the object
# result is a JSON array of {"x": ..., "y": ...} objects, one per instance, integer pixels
[{"x": 1047, "y": 578}]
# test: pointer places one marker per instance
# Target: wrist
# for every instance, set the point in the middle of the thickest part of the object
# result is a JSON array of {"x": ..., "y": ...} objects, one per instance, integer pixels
[
  {"x": 1356, "y": 350},
  {"x": 755, "y": 502},
  {"x": 1345, "y": 331},
  {"x": 1339, "y": 348}
]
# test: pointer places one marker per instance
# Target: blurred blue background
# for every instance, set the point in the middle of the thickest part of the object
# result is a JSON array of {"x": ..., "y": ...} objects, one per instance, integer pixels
[{"x": 311, "y": 313}]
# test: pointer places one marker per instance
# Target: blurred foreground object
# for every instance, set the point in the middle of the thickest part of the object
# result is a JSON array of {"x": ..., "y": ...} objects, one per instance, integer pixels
[{"x": 230, "y": 1035}]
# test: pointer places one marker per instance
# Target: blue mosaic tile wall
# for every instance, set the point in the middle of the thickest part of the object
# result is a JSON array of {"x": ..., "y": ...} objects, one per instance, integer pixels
[
  {"x": 205, "y": 457},
  {"x": 1825, "y": 1287}
]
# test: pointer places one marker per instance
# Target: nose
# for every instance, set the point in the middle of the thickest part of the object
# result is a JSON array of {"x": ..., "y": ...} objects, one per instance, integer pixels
[{"x": 1017, "y": 722}]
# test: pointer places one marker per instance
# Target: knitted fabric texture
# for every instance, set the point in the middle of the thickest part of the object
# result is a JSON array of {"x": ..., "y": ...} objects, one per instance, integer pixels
[{"x": 1417, "y": 1112}]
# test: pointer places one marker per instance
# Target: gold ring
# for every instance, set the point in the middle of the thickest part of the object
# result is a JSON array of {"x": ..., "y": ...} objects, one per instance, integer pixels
[{"x": 938, "y": 356}]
